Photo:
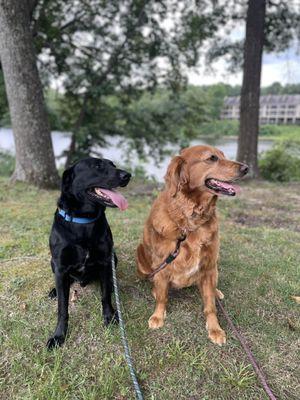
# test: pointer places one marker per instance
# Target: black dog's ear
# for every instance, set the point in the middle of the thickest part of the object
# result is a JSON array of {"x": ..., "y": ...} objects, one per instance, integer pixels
[{"x": 67, "y": 180}]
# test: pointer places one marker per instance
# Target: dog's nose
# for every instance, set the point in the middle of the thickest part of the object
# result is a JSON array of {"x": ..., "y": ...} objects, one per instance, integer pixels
[
  {"x": 244, "y": 169},
  {"x": 125, "y": 176}
]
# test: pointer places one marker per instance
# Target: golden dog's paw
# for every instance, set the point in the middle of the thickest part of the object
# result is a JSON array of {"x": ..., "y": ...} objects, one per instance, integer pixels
[
  {"x": 217, "y": 336},
  {"x": 155, "y": 322},
  {"x": 219, "y": 294}
]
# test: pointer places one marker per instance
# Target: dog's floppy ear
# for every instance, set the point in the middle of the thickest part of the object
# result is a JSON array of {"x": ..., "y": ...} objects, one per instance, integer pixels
[
  {"x": 67, "y": 179},
  {"x": 175, "y": 177}
]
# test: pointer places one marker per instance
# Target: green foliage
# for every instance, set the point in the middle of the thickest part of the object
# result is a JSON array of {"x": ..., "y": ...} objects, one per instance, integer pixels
[
  {"x": 7, "y": 164},
  {"x": 269, "y": 130},
  {"x": 163, "y": 117},
  {"x": 118, "y": 50},
  {"x": 218, "y": 129},
  {"x": 281, "y": 163},
  {"x": 289, "y": 133},
  {"x": 278, "y": 88},
  {"x": 281, "y": 30},
  {"x": 54, "y": 104}
]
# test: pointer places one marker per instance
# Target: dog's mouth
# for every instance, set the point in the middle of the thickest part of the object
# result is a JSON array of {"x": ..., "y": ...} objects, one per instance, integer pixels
[
  {"x": 222, "y": 187},
  {"x": 109, "y": 197}
]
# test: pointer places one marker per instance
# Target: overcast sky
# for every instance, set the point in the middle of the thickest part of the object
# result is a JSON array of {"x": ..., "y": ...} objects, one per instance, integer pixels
[{"x": 283, "y": 67}]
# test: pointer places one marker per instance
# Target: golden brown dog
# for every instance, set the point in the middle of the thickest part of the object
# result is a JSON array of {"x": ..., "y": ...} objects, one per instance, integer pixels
[{"x": 187, "y": 206}]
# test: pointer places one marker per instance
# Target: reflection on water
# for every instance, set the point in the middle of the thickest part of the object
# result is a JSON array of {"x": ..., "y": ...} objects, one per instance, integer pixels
[{"x": 118, "y": 152}]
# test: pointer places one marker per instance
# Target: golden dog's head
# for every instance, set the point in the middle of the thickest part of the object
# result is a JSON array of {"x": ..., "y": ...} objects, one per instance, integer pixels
[{"x": 204, "y": 168}]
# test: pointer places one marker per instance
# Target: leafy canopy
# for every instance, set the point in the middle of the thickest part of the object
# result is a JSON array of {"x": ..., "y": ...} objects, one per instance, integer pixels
[{"x": 98, "y": 49}]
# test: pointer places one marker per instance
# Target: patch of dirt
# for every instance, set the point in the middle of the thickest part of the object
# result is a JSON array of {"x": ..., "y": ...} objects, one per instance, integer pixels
[
  {"x": 263, "y": 204},
  {"x": 274, "y": 222}
]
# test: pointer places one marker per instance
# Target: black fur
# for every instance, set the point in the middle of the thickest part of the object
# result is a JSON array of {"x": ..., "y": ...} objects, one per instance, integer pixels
[{"x": 82, "y": 252}]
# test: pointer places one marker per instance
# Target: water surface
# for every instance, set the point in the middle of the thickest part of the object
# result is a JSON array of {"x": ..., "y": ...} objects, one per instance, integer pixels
[{"x": 119, "y": 153}]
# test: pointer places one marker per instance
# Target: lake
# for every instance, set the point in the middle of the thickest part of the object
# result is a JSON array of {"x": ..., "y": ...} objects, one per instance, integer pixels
[{"x": 118, "y": 152}]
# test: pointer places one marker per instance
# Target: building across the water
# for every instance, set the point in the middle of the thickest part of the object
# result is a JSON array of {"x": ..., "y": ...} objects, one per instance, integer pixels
[{"x": 274, "y": 109}]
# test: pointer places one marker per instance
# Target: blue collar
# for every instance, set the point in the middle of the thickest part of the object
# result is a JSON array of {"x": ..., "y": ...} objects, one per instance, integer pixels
[{"x": 69, "y": 218}]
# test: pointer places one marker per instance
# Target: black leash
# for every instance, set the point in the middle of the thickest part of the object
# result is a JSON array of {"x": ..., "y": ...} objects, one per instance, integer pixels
[{"x": 171, "y": 257}]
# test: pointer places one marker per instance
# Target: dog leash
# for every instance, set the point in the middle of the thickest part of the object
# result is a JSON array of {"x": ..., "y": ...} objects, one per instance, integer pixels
[
  {"x": 139, "y": 396},
  {"x": 171, "y": 257},
  {"x": 248, "y": 351},
  {"x": 138, "y": 392}
]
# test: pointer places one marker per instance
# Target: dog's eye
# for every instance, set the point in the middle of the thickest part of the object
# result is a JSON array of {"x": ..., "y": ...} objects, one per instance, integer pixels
[{"x": 213, "y": 157}]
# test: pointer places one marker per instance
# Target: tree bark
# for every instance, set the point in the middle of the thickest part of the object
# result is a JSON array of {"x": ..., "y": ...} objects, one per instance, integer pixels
[
  {"x": 250, "y": 94},
  {"x": 34, "y": 151}
]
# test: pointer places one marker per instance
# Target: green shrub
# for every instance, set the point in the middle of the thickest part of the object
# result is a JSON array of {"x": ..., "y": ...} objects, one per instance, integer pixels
[
  {"x": 270, "y": 130},
  {"x": 218, "y": 129},
  {"x": 281, "y": 163},
  {"x": 7, "y": 164}
]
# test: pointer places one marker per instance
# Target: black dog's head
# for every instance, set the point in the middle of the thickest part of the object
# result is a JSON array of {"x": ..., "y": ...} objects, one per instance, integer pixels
[{"x": 93, "y": 180}]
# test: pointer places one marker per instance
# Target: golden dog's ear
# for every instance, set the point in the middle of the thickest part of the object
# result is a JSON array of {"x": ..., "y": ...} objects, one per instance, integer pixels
[{"x": 175, "y": 177}]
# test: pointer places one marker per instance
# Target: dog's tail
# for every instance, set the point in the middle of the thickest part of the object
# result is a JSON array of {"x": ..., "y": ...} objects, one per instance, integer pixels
[{"x": 143, "y": 262}]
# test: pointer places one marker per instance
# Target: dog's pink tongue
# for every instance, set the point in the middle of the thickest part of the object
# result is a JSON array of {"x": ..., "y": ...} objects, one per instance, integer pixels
[
  {"x": 116, "y": 198},
  {"x": 230, "y": 186}
]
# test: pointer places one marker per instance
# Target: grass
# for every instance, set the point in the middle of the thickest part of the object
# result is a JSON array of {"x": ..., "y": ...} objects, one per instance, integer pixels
[
  {"x": 259, "y": 272},
  {"x": 230, "y": 129},
  {"x": 286, "y": 133}
]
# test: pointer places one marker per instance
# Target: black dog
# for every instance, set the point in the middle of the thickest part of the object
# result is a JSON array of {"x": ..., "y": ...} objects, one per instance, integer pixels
[{"x": 81, "y": 242}]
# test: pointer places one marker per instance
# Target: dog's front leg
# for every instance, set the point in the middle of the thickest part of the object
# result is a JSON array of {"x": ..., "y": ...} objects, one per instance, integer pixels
[
  {"x": 160, "y": 293},
  {"x": 108, "y": 312},
  {"x": 63, "y": 282},
  {"x": 207, "y": 286}
]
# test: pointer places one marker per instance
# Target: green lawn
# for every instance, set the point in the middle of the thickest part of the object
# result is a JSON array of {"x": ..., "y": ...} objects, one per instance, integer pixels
[{"x": 259, "y": 272}]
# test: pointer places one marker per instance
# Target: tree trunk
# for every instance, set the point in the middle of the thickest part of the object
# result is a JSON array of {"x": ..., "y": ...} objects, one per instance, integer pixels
[
  {"x": 72, "y": 148},
  {"x": 34, "y": 152},
  {"x": 249, "y": 108}
]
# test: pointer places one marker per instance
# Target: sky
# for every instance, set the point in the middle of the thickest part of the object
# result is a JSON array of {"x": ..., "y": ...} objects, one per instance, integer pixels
[{"x": 283, "y": 67}]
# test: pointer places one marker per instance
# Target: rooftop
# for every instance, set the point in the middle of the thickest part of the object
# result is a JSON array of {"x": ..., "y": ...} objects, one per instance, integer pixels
[{"x": 274, "y": 99}]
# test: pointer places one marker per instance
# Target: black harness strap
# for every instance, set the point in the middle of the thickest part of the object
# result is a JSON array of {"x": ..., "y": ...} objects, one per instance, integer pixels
[{"x": 171, "y": 257}]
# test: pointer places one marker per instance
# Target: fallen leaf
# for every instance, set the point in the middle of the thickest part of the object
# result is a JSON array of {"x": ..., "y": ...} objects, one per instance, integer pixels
[
  {"x": 23, "y": 306},
  {"x": 296, "y": 298},
  {"x": 291, "y": 324}
]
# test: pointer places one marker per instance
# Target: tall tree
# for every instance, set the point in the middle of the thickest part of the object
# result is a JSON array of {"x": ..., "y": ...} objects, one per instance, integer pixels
[
  {"x": 34, "y": 152},
  {"x": 117, "y": 48},
  {"x": 250, "y": 94},
  {"x": 271, "y": 25}
]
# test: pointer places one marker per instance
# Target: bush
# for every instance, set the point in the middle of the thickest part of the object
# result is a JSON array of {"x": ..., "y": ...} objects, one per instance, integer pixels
[
  {"x": 7, "y": 164},
  {"x": 281, "y": 163},
  {"x": 218, "y": 129},
  {"x": 269, "y": 130}
]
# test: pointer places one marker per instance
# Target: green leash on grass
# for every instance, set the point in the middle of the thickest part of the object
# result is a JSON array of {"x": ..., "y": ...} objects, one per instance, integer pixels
[
  {"x": 238, "y": 335},
  {"x": 138, "y": 392}
]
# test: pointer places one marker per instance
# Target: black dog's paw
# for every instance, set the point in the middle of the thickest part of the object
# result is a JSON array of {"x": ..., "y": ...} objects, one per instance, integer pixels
[
  {"x": 111, "y": 318},
  {"x": 55, "y": 342},
  {"x": 52, "y": 294}
]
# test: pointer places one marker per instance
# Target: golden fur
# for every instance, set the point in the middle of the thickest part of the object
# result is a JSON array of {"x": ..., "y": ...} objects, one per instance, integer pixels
[{"x": 186, "y": 205}]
